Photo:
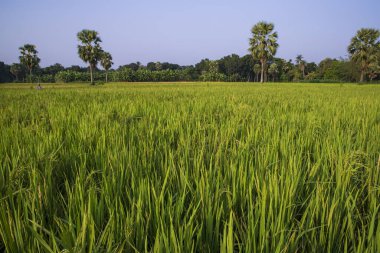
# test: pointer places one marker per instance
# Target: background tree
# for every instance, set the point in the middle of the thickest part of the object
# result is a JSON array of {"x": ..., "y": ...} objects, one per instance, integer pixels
[
  {"x": 230, "y": 65},
  {"x": 273, "y": 71},
  {"x": 257, "y": 69},
  {"x": 151, "y": 66},
  {"x": 106, "y": 62},
  {"x": 171, "y": 66},
  {"x": 77, "y": 68},
  {"x": 310, "y": 67},
  {"x": 29, "y": 58},
  {"x": 363, "y": 49},
  {"x": 5, "y": 74},
  {"x": 89, "y": 51},
  {"x": 246, "y": 68},
  {"x": 17, "y": 70},
  {"x": 374, "y": 67},
  {"x": 211, "y": 72},
  {"x": 52, "y": 69},
  {"x": 263, "y": 45},
  {"x": 301, "y": 64},
  {"x": 133, "y": 66},
  {"x": 158, "y": 66},
  {"x": 286, "y": 70}
]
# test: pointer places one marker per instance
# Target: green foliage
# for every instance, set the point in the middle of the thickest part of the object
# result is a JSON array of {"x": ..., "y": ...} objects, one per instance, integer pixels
[
  {"x": 301, "y": 64},
  {"x": 233, "y": 78},
  {"x": 312, "y": 76},
  {"x": 257, "y": 69},
  {"x": 211, "y": 72},
  {"x": 145, "y": 75},
  {"x": 89, "y": 50},
  {"x": 364, "y": 48},
  {"x": 5, "y": 74},
  {"x": 68, "y": 76},
  {"x": 106, "y": 62},
  {"x": 374, "y": 67},
  {"x": 29, "y": 57},
  {"x": 122, "y": 75},
  {"x": 47, "y": 78},
  {"x": 338, "y": 70},
  {"x": 18, "y": 71},
  {"x": 52, "y": 70},
  {"x": 190, "y": 168},
  {"x": 213, "y": 76},
  {"x": 273, "y": 71},
  {"x": 230, "y": 65},
  {"x": 263, "y": 45}
]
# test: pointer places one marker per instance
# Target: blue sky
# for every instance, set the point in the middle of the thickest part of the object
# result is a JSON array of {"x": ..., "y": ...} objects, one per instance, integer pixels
[{"x": 180, "y": 31}]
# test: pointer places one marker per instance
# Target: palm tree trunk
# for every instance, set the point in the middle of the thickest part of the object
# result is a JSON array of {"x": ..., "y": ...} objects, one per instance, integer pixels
[
  {"x": 362, "y": 76},
  {"x": 92, "y": 79},
  {"x": 30, "y": 75},
  {"x": 262, "y": 71},
  {"x": 106, "y": 76}
]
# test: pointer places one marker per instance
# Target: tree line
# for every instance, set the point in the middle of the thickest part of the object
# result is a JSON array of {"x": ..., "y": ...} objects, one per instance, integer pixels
[{"x": 260, "y": 65}]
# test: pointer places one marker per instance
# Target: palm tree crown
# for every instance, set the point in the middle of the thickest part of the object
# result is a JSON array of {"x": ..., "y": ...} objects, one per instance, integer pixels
[{"x": 106, "y": 60}]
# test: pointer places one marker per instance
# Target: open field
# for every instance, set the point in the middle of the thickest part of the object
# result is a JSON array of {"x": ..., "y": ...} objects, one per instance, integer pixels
[{"x": 190, "y": 167}]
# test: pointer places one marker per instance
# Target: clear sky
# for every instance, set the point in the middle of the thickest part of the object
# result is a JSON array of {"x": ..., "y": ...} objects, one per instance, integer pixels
[{"x": 180, "y": 31}]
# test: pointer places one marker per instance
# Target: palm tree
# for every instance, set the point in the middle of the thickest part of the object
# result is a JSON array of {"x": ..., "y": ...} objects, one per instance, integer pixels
[
  {"x": 301, "y": 64},
  {"x": 89, "y": 51},
  {"x": 363, "y": 49},
  {"x": 106, "y": 62},
  {"x": 257, "y": 69},
  {"x": 263, "y": 45},
  {"x": 29, "y": 58},
  {"x": 273, "y": 70}
]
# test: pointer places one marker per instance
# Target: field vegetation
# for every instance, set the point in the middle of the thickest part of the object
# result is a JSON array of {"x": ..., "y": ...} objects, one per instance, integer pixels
[{"x": 190, "y": 167}]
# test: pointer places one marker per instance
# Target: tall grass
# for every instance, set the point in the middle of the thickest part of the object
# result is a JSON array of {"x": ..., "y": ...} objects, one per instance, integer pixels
[{"x": 190, "y": 168}]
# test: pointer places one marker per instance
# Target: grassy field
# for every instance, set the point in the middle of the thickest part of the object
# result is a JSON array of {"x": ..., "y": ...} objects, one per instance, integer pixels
[{"x": 190, "y": 167}]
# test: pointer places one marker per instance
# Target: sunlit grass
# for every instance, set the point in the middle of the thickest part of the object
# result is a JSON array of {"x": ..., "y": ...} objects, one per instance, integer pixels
[{"x": 190, "y": 167}]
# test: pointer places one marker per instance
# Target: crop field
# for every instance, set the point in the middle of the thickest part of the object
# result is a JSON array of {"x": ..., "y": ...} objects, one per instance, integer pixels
[{"x": 190, "y": 167}]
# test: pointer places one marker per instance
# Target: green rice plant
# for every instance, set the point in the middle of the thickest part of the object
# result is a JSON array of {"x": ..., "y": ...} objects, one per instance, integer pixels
[{"x": 190, "y": 167}]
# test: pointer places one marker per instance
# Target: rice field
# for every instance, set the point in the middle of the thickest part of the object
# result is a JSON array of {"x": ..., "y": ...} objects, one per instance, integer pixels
[{"x": 190, "y": 167}]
